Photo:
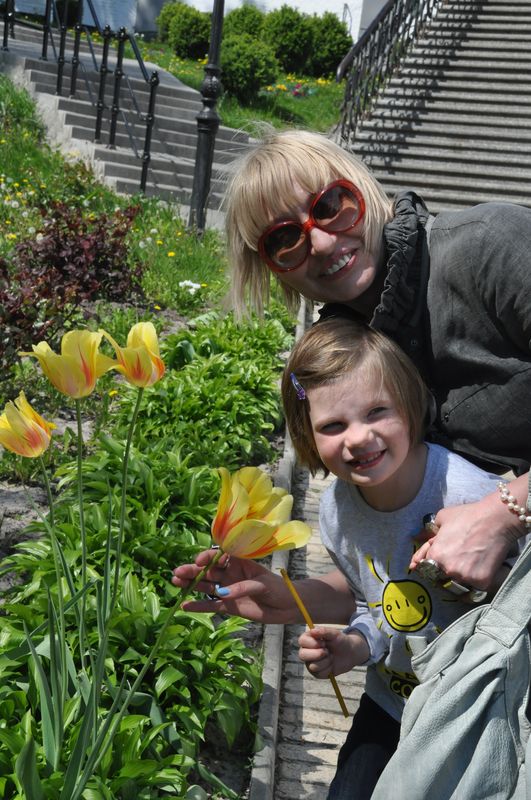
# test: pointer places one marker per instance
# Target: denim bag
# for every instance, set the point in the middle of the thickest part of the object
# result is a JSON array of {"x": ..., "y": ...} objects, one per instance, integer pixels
[{"x": 465, "y": 731}]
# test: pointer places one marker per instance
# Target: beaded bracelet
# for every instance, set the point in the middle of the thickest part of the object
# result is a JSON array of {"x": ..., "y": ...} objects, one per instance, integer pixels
[{"x": 512, "y": 505}]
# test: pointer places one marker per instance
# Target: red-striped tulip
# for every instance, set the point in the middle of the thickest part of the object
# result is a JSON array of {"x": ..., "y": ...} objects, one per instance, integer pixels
[
  {"x": 252, "y": 518},
  {"x": 22, "y": 430},
  {"x": 80, "y": 364},
  {"x": 140, "y": 361}
]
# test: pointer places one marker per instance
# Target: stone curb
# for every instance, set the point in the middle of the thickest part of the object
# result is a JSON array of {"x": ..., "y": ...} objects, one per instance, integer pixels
[{"x": 263, "y": 772}]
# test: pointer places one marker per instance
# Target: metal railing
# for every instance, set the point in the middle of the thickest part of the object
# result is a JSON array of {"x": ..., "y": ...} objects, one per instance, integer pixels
[
  {"x": 372, "y": 60},
  {"x": 102, "y": 66}
]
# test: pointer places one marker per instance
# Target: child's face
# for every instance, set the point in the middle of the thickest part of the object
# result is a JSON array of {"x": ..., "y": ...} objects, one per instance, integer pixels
[
  {"x": 359, "y": 434},
  {"x": 338, "y": 267}
]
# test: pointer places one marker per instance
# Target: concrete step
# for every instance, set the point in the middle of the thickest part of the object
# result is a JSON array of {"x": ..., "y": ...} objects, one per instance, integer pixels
[
  {"x": 433, "y": 141},
  {"x": 459, "y": 97},
  {"x": 167, "y": 95},
  {"x": 445, "y": 171},
  {"x": 448, "y": 122},
  {"x": 464, "y": 192},
  {"x": 463, "y": 157}
]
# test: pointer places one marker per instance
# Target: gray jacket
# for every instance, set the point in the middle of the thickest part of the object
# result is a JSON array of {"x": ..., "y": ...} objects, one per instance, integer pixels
[{"x": 461, "y": 308}]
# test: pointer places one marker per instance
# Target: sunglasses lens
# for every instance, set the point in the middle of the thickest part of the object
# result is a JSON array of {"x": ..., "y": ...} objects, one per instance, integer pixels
[
  {"x": 337, "y": 209},
  {"x": 285, "y": 246}
]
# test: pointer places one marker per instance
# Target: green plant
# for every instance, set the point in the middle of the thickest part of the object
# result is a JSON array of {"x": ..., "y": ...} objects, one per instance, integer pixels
[
  {"x": 290, "y": 34},
  {"x": 89, "y": 635},
  {"x": 188, "y": 31},
  {"x": 72, "y": 259},
  {"x": 245, "y": 19},
  {"x": 331, "y": 42},
  {"x": 247, "y": 64}
]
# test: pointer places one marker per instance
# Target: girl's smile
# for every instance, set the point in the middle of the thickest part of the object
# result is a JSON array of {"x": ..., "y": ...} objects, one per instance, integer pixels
[{"x": 362, "y": 438}]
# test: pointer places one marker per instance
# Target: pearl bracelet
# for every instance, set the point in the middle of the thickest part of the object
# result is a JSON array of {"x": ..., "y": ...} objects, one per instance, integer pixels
[{"x": 512, "y": 505}]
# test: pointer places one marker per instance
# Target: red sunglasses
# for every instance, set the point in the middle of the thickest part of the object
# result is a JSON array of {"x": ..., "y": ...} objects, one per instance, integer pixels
[{"x": 337, "y": 208}]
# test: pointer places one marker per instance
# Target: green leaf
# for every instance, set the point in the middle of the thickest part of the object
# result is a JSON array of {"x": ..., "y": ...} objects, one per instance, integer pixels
[
  {"x": 26, "y": 771},
  {"x": 168, "y": 677}
]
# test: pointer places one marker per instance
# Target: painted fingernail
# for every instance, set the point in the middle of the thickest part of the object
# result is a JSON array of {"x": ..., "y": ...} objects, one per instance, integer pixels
[{"x": 222, "y": 591}]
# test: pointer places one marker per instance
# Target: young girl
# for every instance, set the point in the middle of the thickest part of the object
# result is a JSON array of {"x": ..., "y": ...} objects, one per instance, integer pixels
[{"x": 356, "y": 407}]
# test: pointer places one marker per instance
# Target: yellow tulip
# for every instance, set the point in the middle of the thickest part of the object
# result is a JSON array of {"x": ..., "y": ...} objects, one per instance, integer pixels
[
  {"x": 22, "y": 430},
  {"x": 252, "y": 518},
  {"x": 76, "y": 370},
  {"x": 140, "y": 361}
]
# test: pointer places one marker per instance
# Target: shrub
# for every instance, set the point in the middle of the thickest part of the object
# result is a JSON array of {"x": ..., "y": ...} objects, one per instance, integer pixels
[
  {"x": 331, "y": 42},
  {"x": 290, "y": 34},
  {"x": 189, "y": 31},
  {"x": 247, "y": 64},
  {"x": 45, "y": 279},
  {"x": 245, "y": 19},
  {"x": 167, "y": 12}
]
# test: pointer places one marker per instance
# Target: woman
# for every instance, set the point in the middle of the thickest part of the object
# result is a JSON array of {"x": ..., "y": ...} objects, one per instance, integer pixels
[{"x": 450, "y": 290}]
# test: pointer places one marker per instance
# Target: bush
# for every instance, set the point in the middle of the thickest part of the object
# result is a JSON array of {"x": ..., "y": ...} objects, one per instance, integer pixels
[
  {"x": 167, "y": 12},
  {"x": 247, "y": 64},
  {"x": 290, "y": 34},
  {"x": 245, "y": 19},
  {"x": 188, "y": 31},
  {"x": 331, "y": 42},
  {"x": 45, "y": 279}
]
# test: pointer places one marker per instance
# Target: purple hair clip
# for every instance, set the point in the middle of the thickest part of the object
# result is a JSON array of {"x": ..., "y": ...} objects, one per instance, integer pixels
[{"x": 301, "y": 394}]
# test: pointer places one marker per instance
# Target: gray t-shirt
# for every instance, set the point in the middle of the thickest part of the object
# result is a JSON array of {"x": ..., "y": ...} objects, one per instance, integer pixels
[{"x": 373, "y": 550}]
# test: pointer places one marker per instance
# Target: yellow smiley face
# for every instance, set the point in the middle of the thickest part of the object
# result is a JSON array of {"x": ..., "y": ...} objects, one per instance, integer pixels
[{"x": 406, "y": 605}]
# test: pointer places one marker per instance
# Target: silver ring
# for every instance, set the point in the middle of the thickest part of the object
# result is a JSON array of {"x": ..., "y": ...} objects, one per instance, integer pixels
[{"x": 432, "y": 570}]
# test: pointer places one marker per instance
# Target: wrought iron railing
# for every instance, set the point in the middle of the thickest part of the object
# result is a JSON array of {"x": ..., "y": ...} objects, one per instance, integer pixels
[
  {"x": 103, "y": 65},
  {"x": 372, "y": 60}
]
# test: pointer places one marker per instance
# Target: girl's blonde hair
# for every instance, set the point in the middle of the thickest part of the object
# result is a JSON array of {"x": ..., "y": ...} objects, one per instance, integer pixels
[
  {"x": 331, "y": 350},
  {"x": 262, "y": 189}
]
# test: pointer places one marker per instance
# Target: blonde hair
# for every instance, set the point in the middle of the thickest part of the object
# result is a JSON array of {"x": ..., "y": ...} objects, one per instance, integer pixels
[
  {"x": 329, "y": 351},
  {"x": 262, "y": 189}
]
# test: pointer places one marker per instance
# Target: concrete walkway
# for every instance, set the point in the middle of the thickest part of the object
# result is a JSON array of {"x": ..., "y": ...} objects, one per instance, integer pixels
[{"x": 311, "y": 726}]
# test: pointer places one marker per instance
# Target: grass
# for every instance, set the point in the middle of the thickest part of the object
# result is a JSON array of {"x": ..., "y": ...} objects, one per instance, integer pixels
[{"x": 292, "y": 100}]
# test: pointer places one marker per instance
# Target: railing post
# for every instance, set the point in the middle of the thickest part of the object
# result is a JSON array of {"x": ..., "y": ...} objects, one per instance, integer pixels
[
  {"x": 61, "y": 61},
  {"x": 118, "y": 75},
  {"x": 46, "y": 30},
  {"x": 207, "y": 124},
  {"x": 150, "y": 119},
  {"x": 75, "y": 58},
  {"x": 107, "y": 34},
  {"x": 9, "y": 13}
]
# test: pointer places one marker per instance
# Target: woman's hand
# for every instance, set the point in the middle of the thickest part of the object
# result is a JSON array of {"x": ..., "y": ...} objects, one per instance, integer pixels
[
  {"x": 473, "y": 539},
  {"x": 250, "y": 590},
  {"x": 328, "y": 651}
]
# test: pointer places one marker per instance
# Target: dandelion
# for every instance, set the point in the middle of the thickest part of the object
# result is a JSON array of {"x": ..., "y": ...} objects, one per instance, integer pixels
[
  {"x": 113, "y": 392},
  {"x": 171, "y": 254},
  {"x": 31, "y": 230},
  {"x": 154, "y": 231},
  {"x": 159, "y": 241},
  {"x": 39, "y": 237}
]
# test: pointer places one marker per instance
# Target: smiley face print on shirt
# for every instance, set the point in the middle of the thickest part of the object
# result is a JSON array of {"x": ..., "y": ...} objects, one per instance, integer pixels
[{"x": 405, "y": 604}]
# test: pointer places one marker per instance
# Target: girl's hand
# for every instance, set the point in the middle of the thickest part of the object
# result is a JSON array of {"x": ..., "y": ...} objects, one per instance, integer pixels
[
  {"x": 249, "y": 590},
  {"x": 328, "y": 651},
  {"x": 245, "y": 588}
]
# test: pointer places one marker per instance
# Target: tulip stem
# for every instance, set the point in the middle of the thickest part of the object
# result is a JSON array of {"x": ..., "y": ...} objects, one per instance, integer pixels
[
  {"x": 83, "y": 533},
  {"x": 60, "y": 637},
  {"x": 123, "y": 506},
  {"x": 112, "y": 721}
]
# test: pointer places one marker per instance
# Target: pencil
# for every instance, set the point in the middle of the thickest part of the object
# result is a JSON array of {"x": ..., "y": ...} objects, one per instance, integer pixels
[{"x": 304, "y": 611}]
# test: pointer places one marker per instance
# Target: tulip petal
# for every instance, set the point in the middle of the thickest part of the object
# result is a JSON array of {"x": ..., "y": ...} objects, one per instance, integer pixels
[
  {"x": 22, "y": 430},
  {"x": 76, "y": 370},
  {"x": 232, "y": 506},
  {"x": 139, "y": 362}
]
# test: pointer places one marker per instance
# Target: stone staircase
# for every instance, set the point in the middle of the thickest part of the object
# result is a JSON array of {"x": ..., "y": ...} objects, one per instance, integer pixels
[
  {"x": 71, "y": 122},
  {"x": 455, "y": 122}
]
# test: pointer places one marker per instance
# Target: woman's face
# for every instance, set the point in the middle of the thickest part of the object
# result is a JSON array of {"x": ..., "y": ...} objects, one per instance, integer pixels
[{"x": 338, "y": 267}]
